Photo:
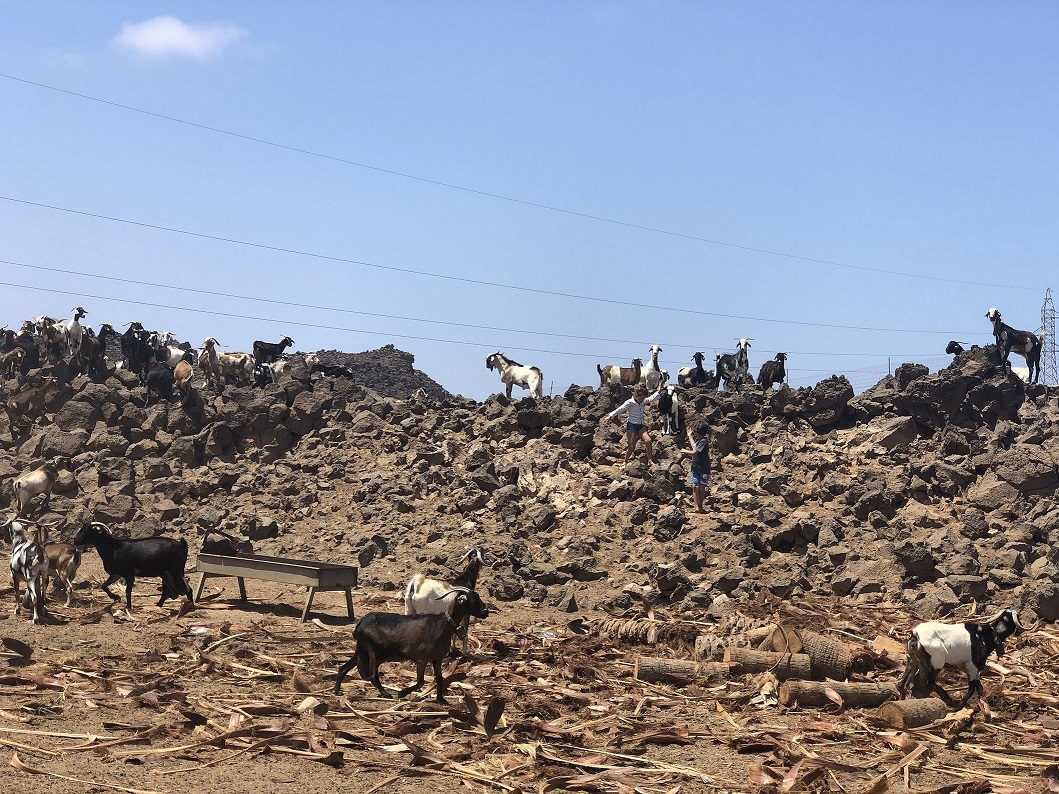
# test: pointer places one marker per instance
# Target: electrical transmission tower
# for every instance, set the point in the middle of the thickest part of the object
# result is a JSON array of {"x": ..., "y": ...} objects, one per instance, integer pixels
[{"x": 1049, "y": 374}]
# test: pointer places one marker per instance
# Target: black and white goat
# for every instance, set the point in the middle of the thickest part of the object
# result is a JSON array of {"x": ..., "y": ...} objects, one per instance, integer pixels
[
  {"x": 29, "y": 564},
  {"x": 127, "y": 559},
  {"x": 693, "y": 376},
  {"x": 772, "y": 372},
  {"x": 669, "y": 411},
  {"x": 423, "y": 639},
  {"x": 934, "y": 645},
  {"x": 514, "y": 374},
  {"x": 426, "y": 596},
  {"x": 1026, "y": 344},
  {"x": 734, "y": 368}
]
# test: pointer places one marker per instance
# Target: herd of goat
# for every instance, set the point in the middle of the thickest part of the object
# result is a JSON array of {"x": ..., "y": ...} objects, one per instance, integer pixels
[
  {"x": 435, "y": 611},
  {"x": 163, "y": 365},
  {"x": 733, "y": 369}
]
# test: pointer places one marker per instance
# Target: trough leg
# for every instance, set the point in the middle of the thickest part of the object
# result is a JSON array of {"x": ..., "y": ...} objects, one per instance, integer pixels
[
  {"x": 349, "y": 603},
  {"x": 242, "y": 588},
  {"x": 308, "y": 604},
  {"x": 201, "y": 584}
]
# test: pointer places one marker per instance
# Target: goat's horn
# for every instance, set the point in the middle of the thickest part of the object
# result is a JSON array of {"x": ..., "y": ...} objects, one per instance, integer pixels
[{"x": 445, "y": 595}]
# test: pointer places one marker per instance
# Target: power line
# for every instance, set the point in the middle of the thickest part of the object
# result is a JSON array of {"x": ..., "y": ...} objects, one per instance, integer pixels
[
  {"x": 459, "y": 279},
  {"x": 319, "y": 307},
  {"x": 511, "y": 199},
  {"x": 343, "y": 329}
]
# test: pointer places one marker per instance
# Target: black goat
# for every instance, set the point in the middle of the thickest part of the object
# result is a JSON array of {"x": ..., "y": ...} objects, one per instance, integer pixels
[
  {"x": 127, "y": 559},
  {"x": 137, "y": 351},
  {"x": 934, "y": 645},
  {"x": 954, "y": 348},
  {"x": 159, "y": 383},
  {"x": 772, "y": 372},
  {"x": 1026, "y": 344},
  {"x": 267, "y": 352},
  {"x": 386, "y": 637}
]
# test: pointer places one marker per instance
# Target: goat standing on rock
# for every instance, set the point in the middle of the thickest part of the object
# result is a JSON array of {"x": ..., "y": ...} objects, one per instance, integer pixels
[
  {"x": 734, "y": 368},
  {"x": 514, "y": 374},
  {"x": 1026, "y": 344},
  {"x": 772, "y": 372}
]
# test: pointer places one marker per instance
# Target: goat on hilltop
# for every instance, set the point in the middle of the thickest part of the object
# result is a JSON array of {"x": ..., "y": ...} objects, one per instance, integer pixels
[{"x": 514, "y": 374}]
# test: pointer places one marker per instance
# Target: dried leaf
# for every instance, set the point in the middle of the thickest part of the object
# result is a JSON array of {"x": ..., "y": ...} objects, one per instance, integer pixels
[
  {"x": 1051, "y": 777},
  {"x": 761, "y": 775},
  {"x": 833, "y": 696},
  {"x": 493, "y": 712},
  {"x": 17, "y": 646},
  {"x": 791, "y": 777}
]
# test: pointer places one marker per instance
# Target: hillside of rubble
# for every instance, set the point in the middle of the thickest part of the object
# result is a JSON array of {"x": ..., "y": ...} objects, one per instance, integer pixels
[{"x": 929, "y": 489}]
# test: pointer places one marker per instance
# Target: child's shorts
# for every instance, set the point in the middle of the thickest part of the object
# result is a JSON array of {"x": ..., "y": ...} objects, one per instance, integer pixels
[{"x": 700, "y": 479}]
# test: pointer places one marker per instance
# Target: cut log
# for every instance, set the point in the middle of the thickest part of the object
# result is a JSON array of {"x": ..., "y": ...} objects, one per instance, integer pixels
[
  {"x": 678, "y": 671},
  {"x": 857, "y": 693},
  {"x": 830, "y": 658},
  {"x": 912, "y": 713},
  {"x": 784, "y": 665}
]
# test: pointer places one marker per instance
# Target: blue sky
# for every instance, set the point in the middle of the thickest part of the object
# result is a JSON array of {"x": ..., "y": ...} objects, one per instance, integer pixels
[{"x": 851, "y": 183}]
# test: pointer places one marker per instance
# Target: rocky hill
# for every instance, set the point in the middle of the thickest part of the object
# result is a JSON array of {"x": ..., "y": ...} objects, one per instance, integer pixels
[{"x": 930, "y": 489}]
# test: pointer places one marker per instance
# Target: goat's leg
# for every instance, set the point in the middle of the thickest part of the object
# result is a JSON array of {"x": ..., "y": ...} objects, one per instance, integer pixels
[
  {"x": 15, "y": 584},
  {"x": 108, "y": 591},
  {"x": 439, "y": 679},
  {"x": 421, "y": 679},
  {"x": 128, "y": 591},
  {"x": 932, "y": 680},
  {"x": 342, "y": 671}
]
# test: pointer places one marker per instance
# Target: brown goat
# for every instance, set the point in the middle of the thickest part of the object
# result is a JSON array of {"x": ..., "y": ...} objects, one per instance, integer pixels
[
  {"x": 183, "y": 372},
  {"x": 623, "y": 376},
  {"x": 28, "y": 403},
  {"x": 11, "y": 360},
  {"x": 63, "y": 561}
]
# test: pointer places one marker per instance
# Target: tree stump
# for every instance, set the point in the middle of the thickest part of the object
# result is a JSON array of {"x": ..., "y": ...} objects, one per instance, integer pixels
[
  {"x": 678, "y": 671},
  {"x": 784, "y": 665},
  {"x": 858, "y": 693},
  {"x": 912, "y": 713}
]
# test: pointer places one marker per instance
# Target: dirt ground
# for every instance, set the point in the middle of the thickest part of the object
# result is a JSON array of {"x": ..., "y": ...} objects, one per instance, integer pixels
[{"x": 237, "y": 698}]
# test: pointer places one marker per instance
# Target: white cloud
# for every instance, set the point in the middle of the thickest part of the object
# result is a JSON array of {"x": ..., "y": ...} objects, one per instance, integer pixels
[{"x": 164, "y": 37}]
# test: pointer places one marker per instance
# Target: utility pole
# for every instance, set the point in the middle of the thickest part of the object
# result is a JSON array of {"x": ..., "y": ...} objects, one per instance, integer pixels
[{"x": 1049, "y": 374}]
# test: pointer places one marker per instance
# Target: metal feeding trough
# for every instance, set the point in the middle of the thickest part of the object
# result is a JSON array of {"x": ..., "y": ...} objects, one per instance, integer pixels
[{"x": 228, "y": 559}]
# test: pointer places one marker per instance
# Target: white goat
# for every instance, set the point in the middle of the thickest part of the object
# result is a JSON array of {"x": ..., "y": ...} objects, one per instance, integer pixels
[
  {"x": 652, "y": 374},
  {"x": 73, "y": 331},
  {"x": 38, "y": 482},
  {"x": 514, "y": 374},
  {"x": 426, "y": 596}
]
